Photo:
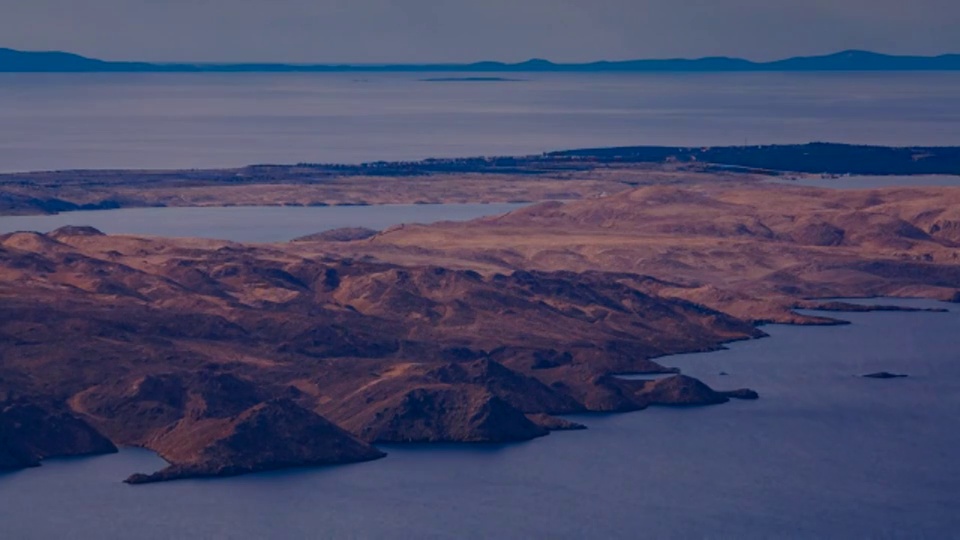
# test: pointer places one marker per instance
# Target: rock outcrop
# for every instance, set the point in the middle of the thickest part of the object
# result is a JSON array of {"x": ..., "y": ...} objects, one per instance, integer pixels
[
  {"x": 272, "y": 435},
  {"x": 552, "y": 423},
  {"x": 681, "y": 390},
  {"x": 885, "y": 375},
  {"x": 343, "y": 234},
  {"x": 186, "y": 347},
  {"x": 31, "y": 432},
  {"x": 448, "y": 415},
  {"x": 74, "y": 230},
  {"x": 525, "y": 393}
]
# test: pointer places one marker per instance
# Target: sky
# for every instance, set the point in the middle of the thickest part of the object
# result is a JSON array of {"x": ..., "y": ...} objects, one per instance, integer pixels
[{"x": 391, "y": 31}]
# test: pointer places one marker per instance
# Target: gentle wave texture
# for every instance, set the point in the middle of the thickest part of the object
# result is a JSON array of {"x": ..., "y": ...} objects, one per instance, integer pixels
[
  {"x": 824, "y": 453},
  {"x": 70, "y": 121}
]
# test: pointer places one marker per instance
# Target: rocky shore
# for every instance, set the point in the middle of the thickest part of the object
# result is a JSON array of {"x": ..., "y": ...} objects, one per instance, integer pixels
[{"x": 228, "y": 358}]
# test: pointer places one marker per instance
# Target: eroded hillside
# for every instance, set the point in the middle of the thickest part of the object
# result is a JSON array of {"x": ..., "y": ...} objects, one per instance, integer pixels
[{"x": 227, "y": 358}]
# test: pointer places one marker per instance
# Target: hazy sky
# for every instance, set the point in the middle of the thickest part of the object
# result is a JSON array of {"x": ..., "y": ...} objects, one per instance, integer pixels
[{"x": 454, "y": 30}]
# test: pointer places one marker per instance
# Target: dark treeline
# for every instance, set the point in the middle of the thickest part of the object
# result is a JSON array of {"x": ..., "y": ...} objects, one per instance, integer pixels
[{"x": 818, "y": 158}]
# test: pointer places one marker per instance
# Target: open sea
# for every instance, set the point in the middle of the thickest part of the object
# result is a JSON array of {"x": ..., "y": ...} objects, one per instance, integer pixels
[
  {"x": 824, "y": 453},
  {"x": 164, "y": 121}
]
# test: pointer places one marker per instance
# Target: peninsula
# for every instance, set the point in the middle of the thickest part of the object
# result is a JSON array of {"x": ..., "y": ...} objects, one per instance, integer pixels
[
  {"x": 228, "y": 358},
  {"x": 565, "y": 175}
]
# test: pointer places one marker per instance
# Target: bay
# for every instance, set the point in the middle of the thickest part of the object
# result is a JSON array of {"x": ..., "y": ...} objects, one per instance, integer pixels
[
  {"x": 251, "y": 223},
  {"x": 824, "y": 453}
]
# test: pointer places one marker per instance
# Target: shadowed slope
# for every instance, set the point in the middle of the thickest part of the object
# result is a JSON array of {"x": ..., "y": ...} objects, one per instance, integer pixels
[{"x": 228, "y": 359}]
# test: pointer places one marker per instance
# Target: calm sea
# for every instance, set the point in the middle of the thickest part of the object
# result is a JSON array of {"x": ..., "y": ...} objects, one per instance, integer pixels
[
  {"x": 67, "y": 121},
  {"x": 252, "y": 223},
  {"x": 823, "y": 454}
]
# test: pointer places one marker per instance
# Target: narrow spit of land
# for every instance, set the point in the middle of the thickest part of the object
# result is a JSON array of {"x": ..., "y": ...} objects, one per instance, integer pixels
[{"x": 567, "y": 175}]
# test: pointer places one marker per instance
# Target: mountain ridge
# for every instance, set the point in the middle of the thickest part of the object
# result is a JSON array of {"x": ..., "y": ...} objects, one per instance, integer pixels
[{"x": 15, "y": 61}]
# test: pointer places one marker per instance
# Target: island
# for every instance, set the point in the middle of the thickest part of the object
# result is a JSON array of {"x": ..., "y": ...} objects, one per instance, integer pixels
[
  {"x": 885, "y": 375},
  {"x": 470, "y": 79}
]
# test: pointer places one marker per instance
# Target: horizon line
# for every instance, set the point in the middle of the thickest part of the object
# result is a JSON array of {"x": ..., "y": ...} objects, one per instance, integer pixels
[
  {"x": 15, "y": 61},
  {"x": 529, "y": 60}
]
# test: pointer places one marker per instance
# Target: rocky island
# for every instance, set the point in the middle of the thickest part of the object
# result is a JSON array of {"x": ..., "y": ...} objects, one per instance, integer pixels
[{"x": 885, "y": 375}]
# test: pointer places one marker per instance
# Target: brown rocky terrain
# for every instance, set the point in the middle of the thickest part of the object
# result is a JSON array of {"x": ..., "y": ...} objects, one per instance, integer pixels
[
  {"x": 31, "y": 431},
  {"x": 226, "y": 358},
  {"x": 754, "y": 251},
  {"x": 51, "y": 192},
  {"x": 564, "y": 175}
]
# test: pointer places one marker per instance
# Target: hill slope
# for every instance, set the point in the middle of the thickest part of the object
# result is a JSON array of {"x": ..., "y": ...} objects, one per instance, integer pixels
[{"x": 228, "y": 359}]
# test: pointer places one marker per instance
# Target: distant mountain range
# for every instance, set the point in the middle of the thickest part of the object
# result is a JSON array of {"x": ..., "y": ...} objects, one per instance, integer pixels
[{"x": 54, "y": 62}]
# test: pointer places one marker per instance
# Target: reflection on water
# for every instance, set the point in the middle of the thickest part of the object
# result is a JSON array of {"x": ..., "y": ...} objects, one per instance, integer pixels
[{"x": 823, "y": 453}]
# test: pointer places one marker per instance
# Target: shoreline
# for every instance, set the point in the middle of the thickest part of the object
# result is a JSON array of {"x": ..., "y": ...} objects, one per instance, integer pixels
[
  {"x": 827, "y": 158},
  {"x": 571, "y": 174},
  {"x": 453, "y": 332},
  {"x": 573, "y": 418}
]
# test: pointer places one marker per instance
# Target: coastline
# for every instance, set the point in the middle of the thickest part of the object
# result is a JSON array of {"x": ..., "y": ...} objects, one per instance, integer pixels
[
  {"x": 573, "y": 174},
  {"x": 807, "y": 412},
  {"x": 453, "y": 332}
]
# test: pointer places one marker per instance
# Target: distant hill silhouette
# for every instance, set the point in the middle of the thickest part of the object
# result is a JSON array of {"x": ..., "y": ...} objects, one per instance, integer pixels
[{"x": 21, "y": 61}]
